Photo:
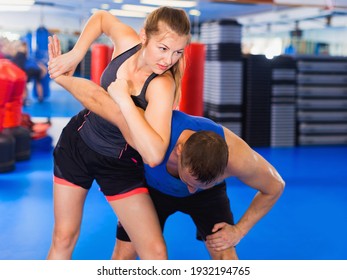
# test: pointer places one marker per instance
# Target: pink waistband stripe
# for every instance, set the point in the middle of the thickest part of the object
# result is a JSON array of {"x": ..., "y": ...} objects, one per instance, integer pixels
[
  {"x": 127, "y": 194},
  {"x": 61, "y": 181}
]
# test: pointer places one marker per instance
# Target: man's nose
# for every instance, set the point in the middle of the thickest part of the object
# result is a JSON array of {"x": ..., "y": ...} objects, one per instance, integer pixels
[{"x": 192, "y": 189}]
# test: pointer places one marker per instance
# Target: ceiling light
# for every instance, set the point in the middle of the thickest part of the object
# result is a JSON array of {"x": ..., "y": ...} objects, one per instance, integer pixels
[
  {"x": 138, "y": 8},
  {"x": 18, "y": 6},
  {"x": 17, "y": 3},
  {"x": 122, "y": 13},
  {"x": 195, "y": 12},
  {"x": 171, "y": 3},
  {"x": 105, "y": 6}
]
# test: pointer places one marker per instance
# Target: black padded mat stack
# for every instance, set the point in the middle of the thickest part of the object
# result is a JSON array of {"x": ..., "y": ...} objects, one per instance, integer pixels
[
  {"x": 257, "y": 101},
  {"x": 283, "y": 102},
  {"x": 223, "y": 73},
  {"x": 322, "y": 100}
]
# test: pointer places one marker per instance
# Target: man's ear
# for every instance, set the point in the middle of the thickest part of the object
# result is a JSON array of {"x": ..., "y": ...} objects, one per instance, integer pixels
[
  {"x": 143, "y": 36},
  {"x": 179, "y": 149}
]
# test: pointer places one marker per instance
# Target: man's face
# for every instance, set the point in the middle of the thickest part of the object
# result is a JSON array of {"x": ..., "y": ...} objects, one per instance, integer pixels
[{"x": 192, "y": 183}]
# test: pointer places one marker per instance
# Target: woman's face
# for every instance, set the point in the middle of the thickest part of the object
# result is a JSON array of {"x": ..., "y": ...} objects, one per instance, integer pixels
[{"x": 163, "y": 50}]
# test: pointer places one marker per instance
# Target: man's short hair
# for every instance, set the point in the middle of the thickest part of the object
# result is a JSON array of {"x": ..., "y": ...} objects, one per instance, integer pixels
[{"x": 205, "y": 154}]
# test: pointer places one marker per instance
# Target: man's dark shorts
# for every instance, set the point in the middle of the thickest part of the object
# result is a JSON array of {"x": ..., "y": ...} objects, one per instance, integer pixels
[{"x": 206, "y": 208}]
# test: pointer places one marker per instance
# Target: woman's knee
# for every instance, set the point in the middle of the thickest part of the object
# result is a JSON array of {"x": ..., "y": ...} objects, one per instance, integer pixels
[
  {"x": 64, "y": 238},
  {"x": 155, "y": 250},
  {"x": 159, "y": 250}
]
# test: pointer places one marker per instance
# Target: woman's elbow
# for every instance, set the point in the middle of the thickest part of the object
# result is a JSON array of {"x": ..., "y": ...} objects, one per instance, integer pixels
[{"x": 154, "y": 159}]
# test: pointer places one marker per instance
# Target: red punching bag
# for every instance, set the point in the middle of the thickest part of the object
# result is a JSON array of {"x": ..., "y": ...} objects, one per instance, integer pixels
[
  {"x": 100, "y": 57},
  {"x": 13, "y": 111},
  {"x": 13, "y": 107},
  {"x": 193, "y": 80},
  {"x": 6, "y": 87},
  {"x": 7, "y": 141}
]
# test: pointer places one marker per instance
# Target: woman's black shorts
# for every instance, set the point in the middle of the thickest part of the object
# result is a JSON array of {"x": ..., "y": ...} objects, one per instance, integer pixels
[{"x": 76, "y": 164}]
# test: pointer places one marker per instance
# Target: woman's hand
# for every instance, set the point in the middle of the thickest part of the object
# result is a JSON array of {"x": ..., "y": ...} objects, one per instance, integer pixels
[
  {"x": 61, "y": 64},
  {"x": 119, "y": 90}
]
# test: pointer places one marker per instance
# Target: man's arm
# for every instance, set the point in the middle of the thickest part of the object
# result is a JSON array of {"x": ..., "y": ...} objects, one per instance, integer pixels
[
  {"x": 253, "y": 170},
  {"x": 97, "y": 100},
  {"x": 91, "y": 95}
]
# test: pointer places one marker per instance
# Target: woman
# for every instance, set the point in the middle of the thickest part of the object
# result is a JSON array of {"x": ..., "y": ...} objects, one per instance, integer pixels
[{"x": 145, "y": 69}]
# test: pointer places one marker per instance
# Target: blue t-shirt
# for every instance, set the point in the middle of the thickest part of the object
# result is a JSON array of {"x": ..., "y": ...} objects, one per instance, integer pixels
[{"x": 158, "y": 177}]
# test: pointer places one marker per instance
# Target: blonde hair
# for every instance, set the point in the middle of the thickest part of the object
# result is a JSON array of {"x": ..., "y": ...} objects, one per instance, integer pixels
[{"x": 178, "y": 21}]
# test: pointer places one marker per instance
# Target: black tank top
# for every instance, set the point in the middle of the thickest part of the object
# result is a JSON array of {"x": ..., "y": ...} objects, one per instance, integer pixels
[{"x": 99, "y": 134}]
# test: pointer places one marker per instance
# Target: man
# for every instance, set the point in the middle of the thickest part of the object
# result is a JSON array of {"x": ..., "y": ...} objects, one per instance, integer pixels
[
  {"x": 191, "y": 180},
  {"x": 201, "y": 155}
]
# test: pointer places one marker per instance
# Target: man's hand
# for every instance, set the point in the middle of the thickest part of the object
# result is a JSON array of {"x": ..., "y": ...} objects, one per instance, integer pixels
[{"x": 223, "y": 237}]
